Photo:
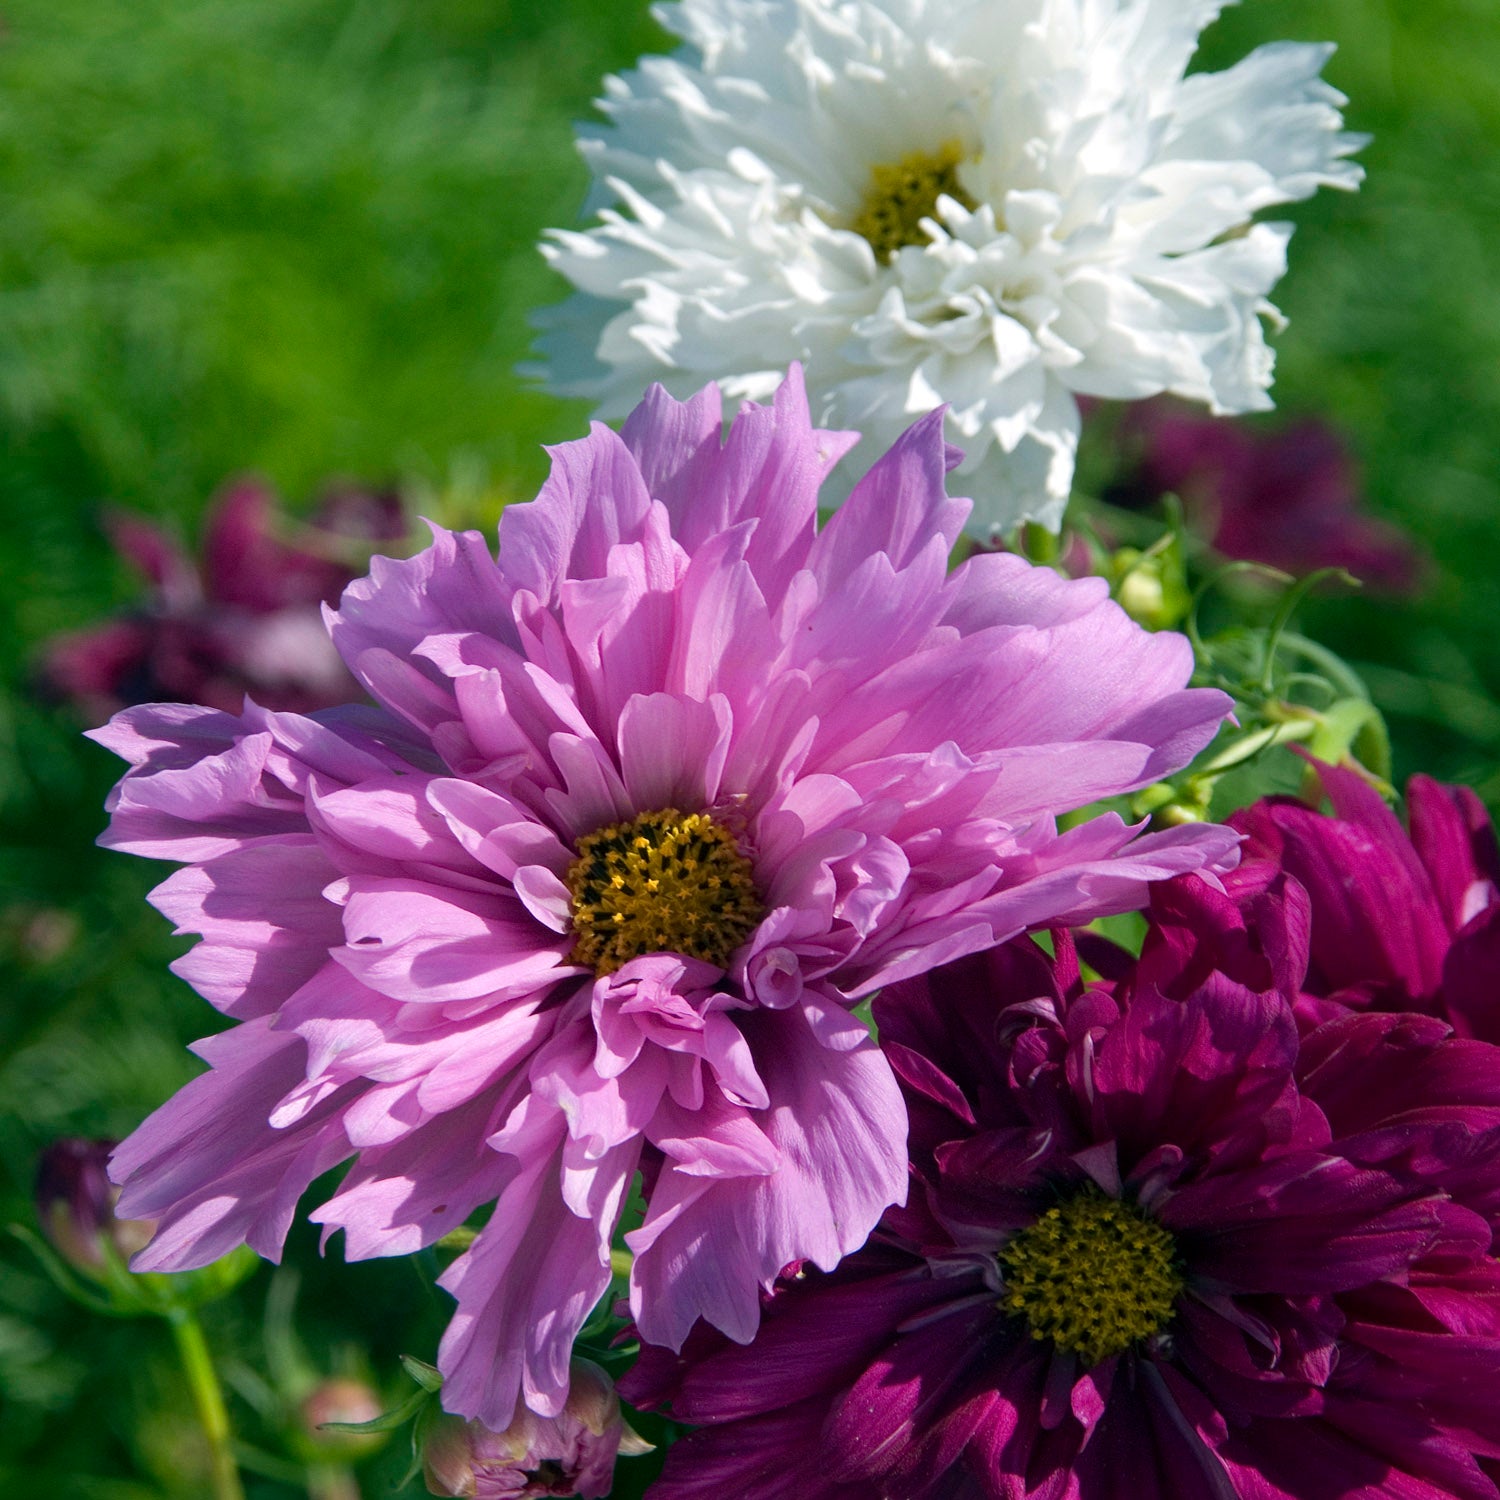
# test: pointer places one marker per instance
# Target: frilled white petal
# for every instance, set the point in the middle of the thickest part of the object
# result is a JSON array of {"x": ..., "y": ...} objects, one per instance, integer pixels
[{"x": 1098, "y": 241}]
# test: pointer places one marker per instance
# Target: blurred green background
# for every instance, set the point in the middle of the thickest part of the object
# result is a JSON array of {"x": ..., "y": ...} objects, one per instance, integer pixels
[{"x": 297, "y": 237}]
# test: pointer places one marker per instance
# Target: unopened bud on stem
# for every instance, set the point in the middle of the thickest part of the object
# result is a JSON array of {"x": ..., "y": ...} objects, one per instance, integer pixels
[
  {"x": 75, "y": 1202},
  {"x": 572, "y": 1453}
]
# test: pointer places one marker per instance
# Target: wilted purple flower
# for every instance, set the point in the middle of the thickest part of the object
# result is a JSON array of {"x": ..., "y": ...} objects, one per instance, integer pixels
[
  {"x": 248, "y": 621},
  {"x": 1286, "y": 495},
  {"x": 75, "y": 1201},
  {"x": 647, "y": 806},
  {"x": 1156, "y": 1247},
  {"x": 572, "y": 1453},
  {"x": 1398, "y": 922}
]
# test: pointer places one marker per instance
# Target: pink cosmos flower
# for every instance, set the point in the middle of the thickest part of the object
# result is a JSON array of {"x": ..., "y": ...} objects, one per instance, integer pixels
[
  {"x": 646, "y": 806},
  {"x": 247, "y": 620},
  {"x": 1159, "y": 1248}
]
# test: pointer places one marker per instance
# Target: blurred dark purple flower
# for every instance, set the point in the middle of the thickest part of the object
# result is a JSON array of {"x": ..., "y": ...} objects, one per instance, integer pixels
[
  {"x": 1157, "y": 1247},
  {"x": 75, "y": 1202},
  {"x": 247, "y": 621},
  {"x": 572, "y": 1453},
  {"x": 1285, "y": 496}
]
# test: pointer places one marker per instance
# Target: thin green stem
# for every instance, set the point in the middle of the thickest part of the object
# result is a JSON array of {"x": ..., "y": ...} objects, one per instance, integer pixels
[
  {"x": 331, "y": 1482},
  {"x": 208, "y": 1397}
]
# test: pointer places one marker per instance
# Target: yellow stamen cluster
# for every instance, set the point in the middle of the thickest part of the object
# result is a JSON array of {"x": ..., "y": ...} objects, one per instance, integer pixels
[
  {"x": 1092, "y": 1274},
  {"x": 663, "y": 882},
  {"x": 904, "y": 193}
]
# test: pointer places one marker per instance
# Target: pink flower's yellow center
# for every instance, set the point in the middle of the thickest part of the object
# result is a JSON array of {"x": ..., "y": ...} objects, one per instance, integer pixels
[
  {"x": 665, "y": 882},
  {"x": 1092, "y": 1274},
  {"x": 904, "y": 193}
]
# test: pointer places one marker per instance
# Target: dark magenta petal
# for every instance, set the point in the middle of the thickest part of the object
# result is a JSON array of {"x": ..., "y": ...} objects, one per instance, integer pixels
[
  {"x": 1210, "y": 1074},
  {"x": 1147, "y": 1448},
  {"x": 1302, "y": 1225},
  {"x": 778, "y": 1455},
  {"x": 1376, "y": 918},
  {"x": 1471, "y": 978},
  {"x": 1379, "y": 1071},
  {"x": 816, "y": 1336},
  {"x": 1380, "y": 1453},
  {"x": 1455, "y": 841},
  {"x": 954, "y": 1021},
  {"x": 1255, "y": 931},
  {"x": 915, "y": 1406}
]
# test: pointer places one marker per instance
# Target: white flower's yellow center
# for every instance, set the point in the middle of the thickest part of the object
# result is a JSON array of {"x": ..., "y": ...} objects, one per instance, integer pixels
[
  {"x": 663, "y": 882},
  {"x": 904, "y": 193},
  {"x": 1093, "y": 1274}
]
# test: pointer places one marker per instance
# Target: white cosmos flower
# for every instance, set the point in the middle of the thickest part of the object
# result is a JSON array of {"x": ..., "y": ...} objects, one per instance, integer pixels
[{"x": 997, "y": 204}]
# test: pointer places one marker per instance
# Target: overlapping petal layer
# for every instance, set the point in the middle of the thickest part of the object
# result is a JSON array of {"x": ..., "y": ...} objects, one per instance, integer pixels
[
  {"x": 388, "y": 898},
  {"x": 1319, "y": 1205}
]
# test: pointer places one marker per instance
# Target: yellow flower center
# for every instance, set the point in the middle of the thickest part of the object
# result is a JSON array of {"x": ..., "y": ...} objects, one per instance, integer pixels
[
  {"x": 665, "y": 882},
  {"x": 904, "y": 193},
  {"x": 1092, "y": 1274}
]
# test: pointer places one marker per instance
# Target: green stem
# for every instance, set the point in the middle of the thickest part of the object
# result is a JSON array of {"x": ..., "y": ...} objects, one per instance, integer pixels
[
  {"x": 331, "y": 1482},
  {"x": 208, "y": 1397}
]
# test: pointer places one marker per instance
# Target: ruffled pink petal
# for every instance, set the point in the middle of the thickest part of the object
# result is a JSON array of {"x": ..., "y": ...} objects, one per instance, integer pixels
[
  {"x": 204, "y": 809},
  {"x": 528, "y": 1282},
  {"x": 768, "y": 468},
  {"x": 452, "y": 586},
  {"x": 501, "y": 835},
  {"x": 397, "y": 1199},
  {"x": 265, "y": 923},
  {"x": 207, "y": 1166},
  {"x": 896, "y": 510},
  {"x": 593, "y": 500},
  {"x": 672, "y": 750},
  {"x": 837, "y": 1120},
  {"x": 386, "y": 821},
  {"x": 166, "y": 735},
  {"x": 428, "y": 943}
]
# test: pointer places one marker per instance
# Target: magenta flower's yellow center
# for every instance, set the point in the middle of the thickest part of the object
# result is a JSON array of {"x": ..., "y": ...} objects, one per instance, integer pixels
[
  {"x": 1093, "y": 1274},
  {"x": 663, "y": 882},
  {"x": 904, "y": 193}
]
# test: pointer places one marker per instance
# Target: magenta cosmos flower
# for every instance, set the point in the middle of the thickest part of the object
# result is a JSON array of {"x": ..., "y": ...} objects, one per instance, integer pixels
[
  {"x": 1347, "y": 910},
  {"x": 1399, "y": 922},
  {"x": 646, "y": 806},
  {"x": 1156, "y": 1248}
]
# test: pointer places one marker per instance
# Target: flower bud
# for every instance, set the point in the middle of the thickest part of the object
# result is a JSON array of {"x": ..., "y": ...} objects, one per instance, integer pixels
[
  {"x": 572, "y": 1453},
  {"x": 76, "y": 1204},
  {"x": 1149, "y": 586}
]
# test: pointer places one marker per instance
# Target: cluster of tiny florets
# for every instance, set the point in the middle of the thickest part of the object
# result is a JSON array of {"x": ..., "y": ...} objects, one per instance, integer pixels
[
  {"x": 662, "y": 882},
  {"x": 1093, "y": 1274},
  {"x": 904, "y": 193}
]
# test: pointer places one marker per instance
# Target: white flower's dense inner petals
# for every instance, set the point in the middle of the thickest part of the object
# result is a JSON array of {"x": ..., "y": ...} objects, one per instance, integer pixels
[{"x": 758, "y": 218}]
